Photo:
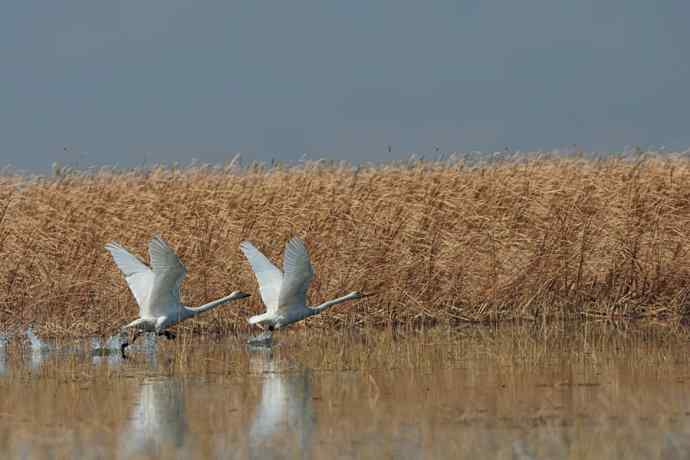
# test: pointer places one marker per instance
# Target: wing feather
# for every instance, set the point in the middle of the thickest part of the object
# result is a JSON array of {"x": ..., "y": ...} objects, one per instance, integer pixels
[
  {"x": 168, "y": 273},
  {"x": 298, "y": 274},
  {"x": 138, "y": 275},
  {"x": 268, "y": 275}
]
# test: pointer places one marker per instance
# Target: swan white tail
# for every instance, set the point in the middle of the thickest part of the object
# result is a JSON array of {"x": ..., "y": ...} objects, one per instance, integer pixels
[{"x": 259, "y": 318}]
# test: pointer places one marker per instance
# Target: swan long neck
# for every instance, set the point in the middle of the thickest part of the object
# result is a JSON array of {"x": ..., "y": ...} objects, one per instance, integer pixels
[
  {"x": 193, "y": 311},
  {"x": 326, "y": 305}
]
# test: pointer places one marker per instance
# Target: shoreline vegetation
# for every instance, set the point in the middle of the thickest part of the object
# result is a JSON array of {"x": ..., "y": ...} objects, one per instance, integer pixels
[{"x": 530, "y": 238}]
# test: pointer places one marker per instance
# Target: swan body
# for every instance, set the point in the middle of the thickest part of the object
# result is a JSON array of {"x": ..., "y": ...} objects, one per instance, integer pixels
[
  {"x": 285, "y": 293},
  {"x": 157, "y": 289}
]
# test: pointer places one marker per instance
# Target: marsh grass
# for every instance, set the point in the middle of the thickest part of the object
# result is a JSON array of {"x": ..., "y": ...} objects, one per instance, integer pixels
[
  {"x": 508, "y": 349},
  {"x": 440, "y": 242}
]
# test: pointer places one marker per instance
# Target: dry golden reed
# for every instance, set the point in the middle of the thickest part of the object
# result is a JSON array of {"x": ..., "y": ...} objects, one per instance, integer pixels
[{"x": 439, "y": 242}]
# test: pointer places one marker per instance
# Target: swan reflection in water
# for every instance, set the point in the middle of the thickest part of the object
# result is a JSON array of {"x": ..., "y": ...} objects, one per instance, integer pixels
[
  {"x": 158, "y": 423},
  {"x": 284, "y": 421}
]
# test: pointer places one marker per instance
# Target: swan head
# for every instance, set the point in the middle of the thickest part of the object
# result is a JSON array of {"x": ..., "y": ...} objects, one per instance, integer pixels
[
  {"x": 359, "y": 295},
  {"x": 238, "y": 295}
]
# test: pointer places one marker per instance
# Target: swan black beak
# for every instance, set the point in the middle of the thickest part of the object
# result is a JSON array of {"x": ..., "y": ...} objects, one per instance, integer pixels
[{"x": 368, "y": 294}]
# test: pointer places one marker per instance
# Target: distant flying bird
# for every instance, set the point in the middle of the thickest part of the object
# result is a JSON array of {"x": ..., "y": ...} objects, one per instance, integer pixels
[
  {"x": 157, "y": 290},
  {"x": 285, "y": 294}
]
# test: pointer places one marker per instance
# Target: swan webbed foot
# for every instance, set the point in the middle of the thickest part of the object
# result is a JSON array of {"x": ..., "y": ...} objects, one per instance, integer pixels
[
  {"x": 122, "y": 349},
  {"x": 131, "y": 337}
]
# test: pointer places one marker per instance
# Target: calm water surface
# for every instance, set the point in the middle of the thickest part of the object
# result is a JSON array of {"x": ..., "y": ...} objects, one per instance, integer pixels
[{"x": 513, "y": 393}]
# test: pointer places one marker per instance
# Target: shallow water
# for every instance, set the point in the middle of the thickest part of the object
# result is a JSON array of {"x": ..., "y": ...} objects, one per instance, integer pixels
[{"x": 513, "y": 393}]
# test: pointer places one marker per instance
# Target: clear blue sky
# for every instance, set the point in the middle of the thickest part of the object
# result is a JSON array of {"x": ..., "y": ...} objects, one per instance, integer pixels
[{"x": 120, "y": 81}]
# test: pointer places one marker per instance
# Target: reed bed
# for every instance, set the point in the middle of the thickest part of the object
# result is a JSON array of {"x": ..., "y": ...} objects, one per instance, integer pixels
[{"x": 440, "y": 242}]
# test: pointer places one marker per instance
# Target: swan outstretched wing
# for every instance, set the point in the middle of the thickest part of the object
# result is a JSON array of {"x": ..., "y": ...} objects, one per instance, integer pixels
[
  {"x": 139, "y": 277},
  {"x": 268, "y": 275},
  {"x": 168, "y": 273},
  {"x": 298, "y": 274}
]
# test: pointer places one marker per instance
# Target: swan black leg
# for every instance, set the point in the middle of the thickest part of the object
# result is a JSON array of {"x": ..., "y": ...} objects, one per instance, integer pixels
[
  {"x": 168, "y": 335},
  {"x": 131, "y": 337}
]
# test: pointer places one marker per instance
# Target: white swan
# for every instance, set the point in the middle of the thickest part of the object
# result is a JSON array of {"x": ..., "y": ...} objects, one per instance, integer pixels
[
  {"x": 157, "y": 290},
  {"x": 285, "y": 294}
]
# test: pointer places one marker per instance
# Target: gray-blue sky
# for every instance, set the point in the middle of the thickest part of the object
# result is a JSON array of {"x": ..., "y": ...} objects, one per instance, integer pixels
[{"x": 120, "y": 81}]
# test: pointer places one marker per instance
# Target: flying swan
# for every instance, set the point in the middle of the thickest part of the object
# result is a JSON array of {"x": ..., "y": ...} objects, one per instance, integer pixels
[
  {"x": 285, "y": 294},
  {"x": 157, "y": 290}
]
